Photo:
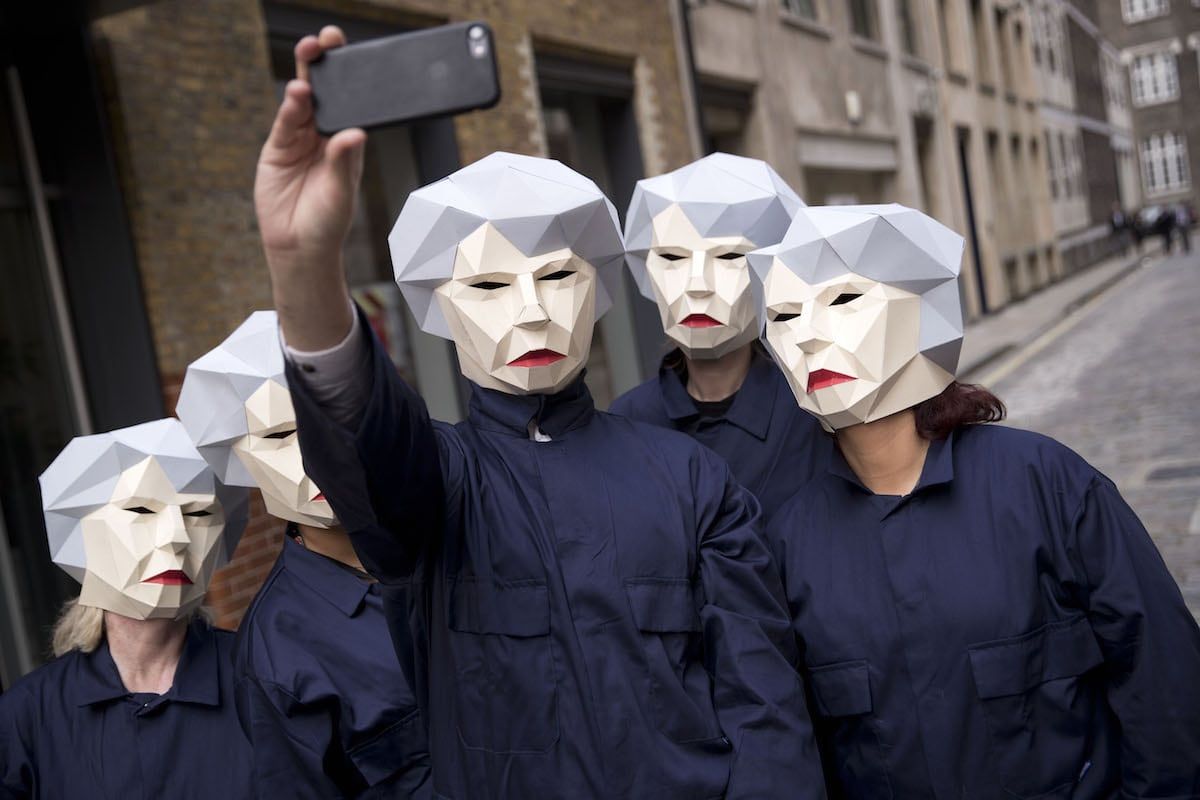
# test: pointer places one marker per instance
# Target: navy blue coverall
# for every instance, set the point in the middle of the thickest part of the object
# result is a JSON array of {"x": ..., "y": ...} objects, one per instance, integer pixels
[
  {"x": 591, "y": 616},
  {"x": 319, "y": 691},
  {"x": 771, "y": 444},
  {"x": 71, "y": 729},
  {"x": 1007, "y": 630}
]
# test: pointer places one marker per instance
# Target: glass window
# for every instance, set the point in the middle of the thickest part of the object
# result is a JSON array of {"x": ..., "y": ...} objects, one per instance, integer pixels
[
  {"x": 983, "y": 56},
  {"x": 862, "y": 18},
  {"x": 807, "y": 9},
  {"x": 1153, "y": 78},
  {"x": 1165, "y": 163},
  {"x": 908, "y": 30},
  {"x": 1138, "y": 10},
  {"x": 1051, "y": 166}
]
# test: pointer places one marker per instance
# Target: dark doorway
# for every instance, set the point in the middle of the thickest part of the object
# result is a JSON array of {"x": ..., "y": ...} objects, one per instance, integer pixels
[{"x": 590, "y": 125}]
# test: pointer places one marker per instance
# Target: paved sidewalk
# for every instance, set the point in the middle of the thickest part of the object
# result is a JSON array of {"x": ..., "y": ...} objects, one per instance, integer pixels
[{"x": 988, "y": 340}]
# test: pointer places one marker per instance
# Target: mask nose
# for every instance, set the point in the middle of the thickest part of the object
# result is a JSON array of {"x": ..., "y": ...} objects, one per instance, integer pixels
[
  {"x": 170, "y": 532},
  {"x": 698, "y": 284},
  {"x": 810, "y": 334},
  {"x": 532, "y": 315}
]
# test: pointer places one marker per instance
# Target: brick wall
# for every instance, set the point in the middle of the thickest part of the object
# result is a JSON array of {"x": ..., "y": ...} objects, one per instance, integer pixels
[{"x": 190, "y": 96}]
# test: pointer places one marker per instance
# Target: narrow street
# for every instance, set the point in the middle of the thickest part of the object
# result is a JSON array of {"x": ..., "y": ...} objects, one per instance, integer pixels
[{"x": 1119, "y": 382}]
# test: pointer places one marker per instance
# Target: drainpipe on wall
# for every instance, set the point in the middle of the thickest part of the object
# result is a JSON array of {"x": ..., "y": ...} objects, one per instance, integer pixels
[{"x": 681, "y": 10}]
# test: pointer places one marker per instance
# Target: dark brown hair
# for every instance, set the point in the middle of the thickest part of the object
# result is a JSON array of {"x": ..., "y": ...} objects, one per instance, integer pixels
[{"x": 959, "y": 404}]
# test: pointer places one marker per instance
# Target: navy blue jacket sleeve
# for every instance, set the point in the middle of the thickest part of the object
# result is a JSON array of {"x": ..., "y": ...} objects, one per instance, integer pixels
[
  {"x": 1150, "y": 642},
  {"x": 18, "y": 777},
  {"x": 749, "y": 647},
  {"x": 290, "y": 741},
  {"x": 383, "y": 480}
]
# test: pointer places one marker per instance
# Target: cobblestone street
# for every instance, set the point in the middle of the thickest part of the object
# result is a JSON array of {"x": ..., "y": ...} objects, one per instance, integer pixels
[{"x": 1119, "y": 382}]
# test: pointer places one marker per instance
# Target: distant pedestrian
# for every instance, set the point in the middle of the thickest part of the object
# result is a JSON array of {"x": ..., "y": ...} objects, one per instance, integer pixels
[
  {"x": 1137, "y": 232},
  {"x": 1183, "y": 221},
  {"x": 1164, "y": 225},
  {"x": 1119, "y": 222}
]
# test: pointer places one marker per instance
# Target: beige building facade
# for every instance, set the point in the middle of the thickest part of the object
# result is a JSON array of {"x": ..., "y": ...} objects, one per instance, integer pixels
[{"x": 930, "y": 103}]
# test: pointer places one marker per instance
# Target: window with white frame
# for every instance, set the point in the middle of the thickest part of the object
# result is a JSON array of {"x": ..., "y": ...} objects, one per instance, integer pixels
[
  {"x": 1153, "y": 78},
  {"x": 1138, "y": 10},
  {"x": 1165, "y": 163}
]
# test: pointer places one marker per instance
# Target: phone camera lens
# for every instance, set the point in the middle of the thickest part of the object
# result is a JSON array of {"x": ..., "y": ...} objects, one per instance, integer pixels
[{"x": 477, "y": 41}]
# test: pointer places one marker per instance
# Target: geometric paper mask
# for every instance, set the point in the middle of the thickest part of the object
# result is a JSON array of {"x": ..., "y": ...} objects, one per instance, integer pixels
[
  {"x": 862, "y": 309},
  {"x": 138, "y": 517},
  {"x": 686, "y": 235},
  {"x": 513, "y": 258},
  {"x": 236, "y": 406}
]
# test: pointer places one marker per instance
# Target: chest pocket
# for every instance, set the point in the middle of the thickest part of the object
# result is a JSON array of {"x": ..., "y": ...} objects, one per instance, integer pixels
[
  {"x": 846, "y": 726},
  {"x": 505, "y": 687},
  {"x": 1042, "y": 710},
  {"x": 677, "y": 687}
]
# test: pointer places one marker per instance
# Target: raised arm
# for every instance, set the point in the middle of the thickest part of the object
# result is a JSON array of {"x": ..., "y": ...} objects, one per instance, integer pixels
[
  {"x": 304, "y": 194},
  {"x": 366, "y": 437},
  {"x": 749, "y": 647}
]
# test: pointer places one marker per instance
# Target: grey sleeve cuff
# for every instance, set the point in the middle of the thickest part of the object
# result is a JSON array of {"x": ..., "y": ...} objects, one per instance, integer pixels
[{"x": 337, "y": 377}]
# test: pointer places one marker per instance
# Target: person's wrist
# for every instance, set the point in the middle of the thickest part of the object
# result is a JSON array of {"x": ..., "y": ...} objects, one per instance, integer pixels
[{"x": 312, "y": 301}]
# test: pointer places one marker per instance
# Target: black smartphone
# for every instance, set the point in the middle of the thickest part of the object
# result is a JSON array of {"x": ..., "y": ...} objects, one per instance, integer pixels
[{"x": 427, "y": 73}]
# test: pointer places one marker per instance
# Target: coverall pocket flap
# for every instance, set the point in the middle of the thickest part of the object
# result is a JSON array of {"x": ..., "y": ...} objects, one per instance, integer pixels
[
  {"x": 663, "y": 605},
  {"x": 1063, "y": 649},
  {"x": 400, "y": 747},
  {"x": 843, "y": 689},
  {"x": 498, "y": 607}
]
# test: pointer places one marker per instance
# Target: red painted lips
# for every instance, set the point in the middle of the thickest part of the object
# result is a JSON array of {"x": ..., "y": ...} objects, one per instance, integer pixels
[
  {"x": 824, "y": 378},
  {"x": 699, "y": 321},
  {"x": 537, "y": 358},
  {"x": 172, "y": 577}
]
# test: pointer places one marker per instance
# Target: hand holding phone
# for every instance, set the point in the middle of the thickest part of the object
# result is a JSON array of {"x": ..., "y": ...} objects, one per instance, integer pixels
[
  {"x": 304, "y": 193},
  {"x": 426, "y": 73}
]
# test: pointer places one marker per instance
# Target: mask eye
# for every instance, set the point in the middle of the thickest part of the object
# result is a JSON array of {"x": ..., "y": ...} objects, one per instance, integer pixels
[
  {"x": 671, "y": 256},
  {"x": 280, "y": 434},
  {"x": 199, "y": 513},
  {"x": 488, "y": 285},
  {"x": 784, "y": 316},
  {"x": 730, "y": 256},
  {"x": 557, "y": 276},
  {"x": 140, "y": 510},
  {"x": 845, "y": 297}
]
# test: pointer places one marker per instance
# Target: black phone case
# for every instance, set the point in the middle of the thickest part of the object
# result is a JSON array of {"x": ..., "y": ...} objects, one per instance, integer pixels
[{"x": 427, "y": 73}]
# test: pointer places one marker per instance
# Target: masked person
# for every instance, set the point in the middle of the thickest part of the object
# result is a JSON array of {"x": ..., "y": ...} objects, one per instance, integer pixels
[
  {"x": 320, "y": 692},
  {"x": 594, "y": 614},
  {"x": 686, "y": 238},
  {"x": 139, "y": 701},
  {"x": 981, "y": 614}
]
